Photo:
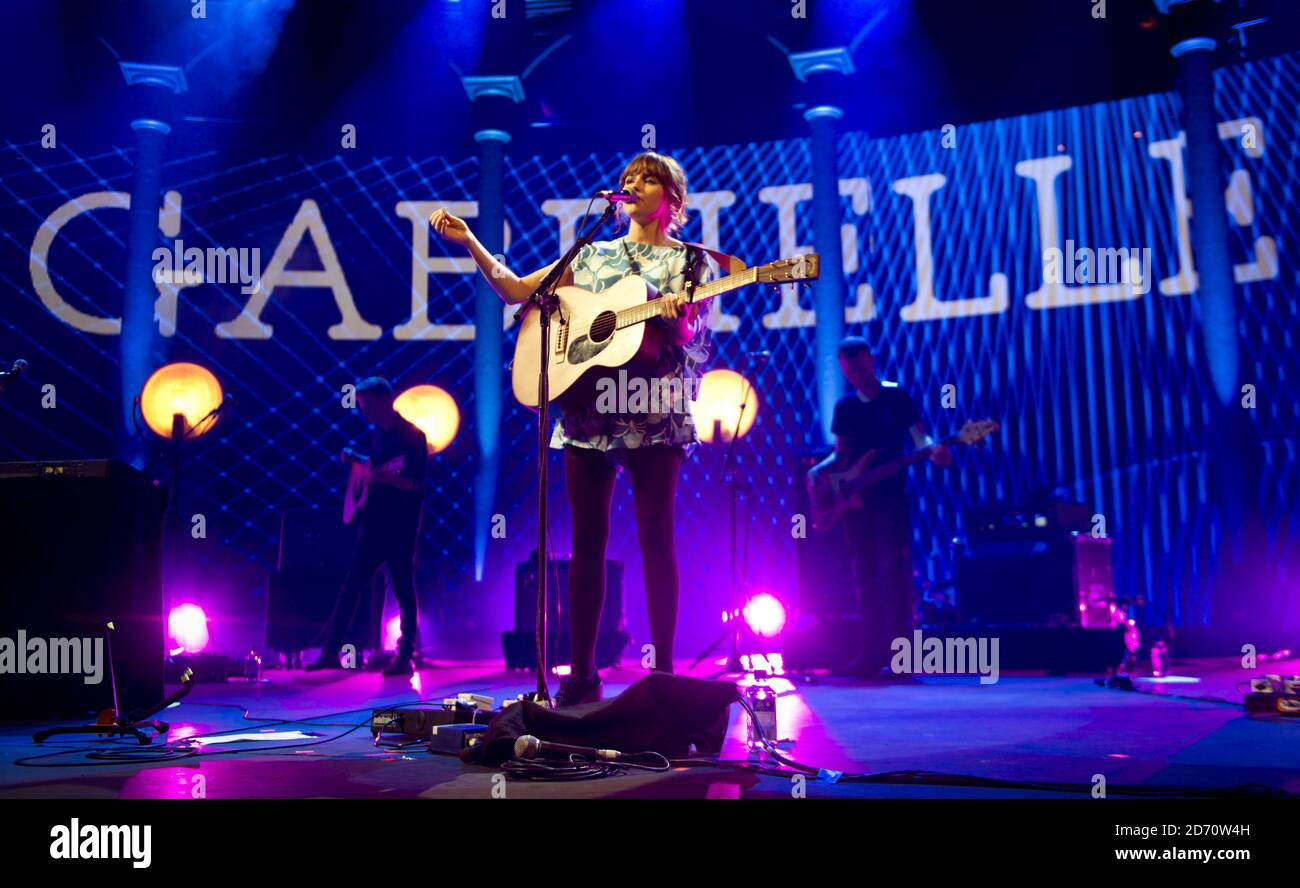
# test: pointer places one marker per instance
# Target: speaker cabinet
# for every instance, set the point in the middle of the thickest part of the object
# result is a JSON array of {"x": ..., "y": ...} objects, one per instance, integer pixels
[
  {"x": 1066, "y": 581},
  {"x": 520, "y": 645},
  {"x": 82, "y": 548}
]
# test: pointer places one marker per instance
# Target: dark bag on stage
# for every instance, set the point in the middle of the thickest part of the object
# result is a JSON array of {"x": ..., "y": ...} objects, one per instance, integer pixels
[{"x": 659, "y": 713}]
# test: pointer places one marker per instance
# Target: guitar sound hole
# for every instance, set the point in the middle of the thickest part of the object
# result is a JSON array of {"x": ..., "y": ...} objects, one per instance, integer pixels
[{"x": 602, "y": 327}]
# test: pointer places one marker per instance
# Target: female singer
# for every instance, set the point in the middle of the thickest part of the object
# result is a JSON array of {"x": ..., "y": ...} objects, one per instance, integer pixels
[{"x": 596, "y": 442}]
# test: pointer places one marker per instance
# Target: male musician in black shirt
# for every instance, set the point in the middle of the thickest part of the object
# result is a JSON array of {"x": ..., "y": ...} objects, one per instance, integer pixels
[
  {"x": 390, "y": 525},
  {"x": 878, "y": 415}
]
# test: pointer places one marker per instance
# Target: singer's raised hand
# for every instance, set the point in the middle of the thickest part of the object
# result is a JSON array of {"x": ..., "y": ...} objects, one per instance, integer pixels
[{"x": 449, "y": 227}]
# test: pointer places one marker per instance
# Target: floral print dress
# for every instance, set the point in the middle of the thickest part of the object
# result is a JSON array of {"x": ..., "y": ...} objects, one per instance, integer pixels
[{"x": 596, "y": 267}]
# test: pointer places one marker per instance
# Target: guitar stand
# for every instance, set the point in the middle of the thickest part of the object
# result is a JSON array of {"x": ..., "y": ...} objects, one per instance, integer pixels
[
  {"x": 123, "y": 728},
  {"x": 132, "y": 724},
  {"x": 544, "y": 300}
]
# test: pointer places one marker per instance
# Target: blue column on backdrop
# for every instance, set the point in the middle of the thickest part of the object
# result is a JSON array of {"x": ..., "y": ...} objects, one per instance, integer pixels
[
  {"x": 488, "y": 354},
  {"x": 139, "y": 339},
  {"x": 1209, "y": 223},
  {"x": 829, "y": 289},
  {"x": 1233, "y": 452},
  {"x": 152, "y": 90}
]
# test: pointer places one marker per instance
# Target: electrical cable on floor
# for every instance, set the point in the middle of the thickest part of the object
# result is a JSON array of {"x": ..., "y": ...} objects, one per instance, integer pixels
[
  {"x": 937, "y": 778},
  {"x": 579, "y": 768},
  {"x": 178, "y": 750},
  {"x": 1241, "y": 687}
]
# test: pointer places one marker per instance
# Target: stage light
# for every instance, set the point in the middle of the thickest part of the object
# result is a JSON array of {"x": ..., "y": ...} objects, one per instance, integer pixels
[
  {"x": 392, "y": 633},
  {"x": 187, "y": 625},
  {"x": 765, "y": 615},
  {"x": 187, "y": 389},
  {"x": 432, "y": 411},
  {"x": 721, "y": 394}
]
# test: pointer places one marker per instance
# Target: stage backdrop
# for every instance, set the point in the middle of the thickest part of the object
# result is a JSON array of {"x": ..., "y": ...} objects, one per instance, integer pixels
[{"x": 1102, "y": 389}]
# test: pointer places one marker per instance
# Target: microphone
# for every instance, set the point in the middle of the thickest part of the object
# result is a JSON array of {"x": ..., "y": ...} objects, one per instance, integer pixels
[
  {"x": 226, "y": 401},
  {"x": 8, "y": 376},
  {"x": 529, "y": 747},
  {"x": 618, "y": 195},
  {"x": 212, "y": 414}
]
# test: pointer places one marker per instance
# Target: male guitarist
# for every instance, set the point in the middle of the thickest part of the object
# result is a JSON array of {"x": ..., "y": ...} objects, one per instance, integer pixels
[
  {"x": 390, "y": 525},
  {"x": 878, "y": 416}
]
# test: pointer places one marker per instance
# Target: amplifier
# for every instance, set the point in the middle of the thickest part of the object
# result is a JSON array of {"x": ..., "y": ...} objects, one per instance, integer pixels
[
  {"x": 314, "y": 555},
  {"x": 1056, "y": 582},
  {"x": 1000, "y": 521},
  {"x": 557, "y": 594},
  {"x": 82, "y": 548},
  {"x": 68, "y": 468},
  {"x": 520, "y": 647}
]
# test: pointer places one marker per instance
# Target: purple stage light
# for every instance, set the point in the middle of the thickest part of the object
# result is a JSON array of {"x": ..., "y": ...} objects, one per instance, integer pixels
[
  {"x": 187, "y": 626},
  {"x": 765, "y": 615},
  {"x": 392, "y": 633}
]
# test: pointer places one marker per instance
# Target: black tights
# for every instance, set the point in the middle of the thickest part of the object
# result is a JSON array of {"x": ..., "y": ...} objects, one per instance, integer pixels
[{"x": 589, "y": 477}]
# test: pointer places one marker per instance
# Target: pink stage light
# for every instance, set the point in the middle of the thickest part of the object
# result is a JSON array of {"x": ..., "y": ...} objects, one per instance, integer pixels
[
  {"x": 187, "y": 625},
  {"x": 765, "y": 615},
  {"x": 392, "y": 633}
]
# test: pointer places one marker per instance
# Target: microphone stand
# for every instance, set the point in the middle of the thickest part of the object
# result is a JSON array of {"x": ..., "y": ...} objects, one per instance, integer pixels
[
  {"x": 543, "y": 299},
  {"x": 8, "y": 376}
]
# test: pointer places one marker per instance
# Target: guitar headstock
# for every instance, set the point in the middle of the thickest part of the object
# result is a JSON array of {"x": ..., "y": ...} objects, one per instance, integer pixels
[
  {"x": 973, "y": 431},
  {"x": 783, "y": 271}
]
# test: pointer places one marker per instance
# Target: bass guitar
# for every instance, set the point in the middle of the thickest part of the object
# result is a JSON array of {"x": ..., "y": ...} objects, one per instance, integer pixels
[{"x": 832, "y": 494}]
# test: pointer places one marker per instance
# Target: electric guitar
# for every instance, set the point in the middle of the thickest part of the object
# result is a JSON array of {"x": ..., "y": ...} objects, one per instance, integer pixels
[
  {"x": 831, "y": 494},
  {"x": 359, "y": 475},
  {"x": 593, "y": 335}
]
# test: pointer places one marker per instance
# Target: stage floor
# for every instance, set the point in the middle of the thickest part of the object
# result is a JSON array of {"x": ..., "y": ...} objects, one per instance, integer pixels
[{"x": 1025, "y": 728}]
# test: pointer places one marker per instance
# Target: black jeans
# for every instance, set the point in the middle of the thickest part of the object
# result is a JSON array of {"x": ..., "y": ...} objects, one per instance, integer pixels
[
  {"x": 880, "y": 537},
  {"x": 380, "y": 545}
]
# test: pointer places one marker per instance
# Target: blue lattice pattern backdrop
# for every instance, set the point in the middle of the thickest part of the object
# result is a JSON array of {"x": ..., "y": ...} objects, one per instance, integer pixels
[{"x": 1109, "y": 401}]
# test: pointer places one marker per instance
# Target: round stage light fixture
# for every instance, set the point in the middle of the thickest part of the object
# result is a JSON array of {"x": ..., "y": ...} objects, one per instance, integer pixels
[
  {"x": 187, "y": 625},
  {"x": 187, "y": 389},
  {"x": 719, "y": 405},
  {"x": 765, "y": 615},
  {"x": 432, "y": 411}
]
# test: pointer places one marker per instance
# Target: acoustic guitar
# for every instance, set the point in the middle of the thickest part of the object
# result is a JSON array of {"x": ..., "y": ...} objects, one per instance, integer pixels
[
  {"x": 359, "y": 475},
  {"x": 594, "y": 335}
]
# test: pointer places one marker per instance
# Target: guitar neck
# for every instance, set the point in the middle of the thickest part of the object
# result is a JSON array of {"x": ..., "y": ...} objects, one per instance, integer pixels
[
  {"x": 639, "y": 314},
  {"x": 894, "y": 466},
  {"x": 923, "y": 453}
]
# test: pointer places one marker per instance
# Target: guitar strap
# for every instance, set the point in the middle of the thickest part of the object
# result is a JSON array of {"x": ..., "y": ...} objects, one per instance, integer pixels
[{"x": 727, "y": 263}]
